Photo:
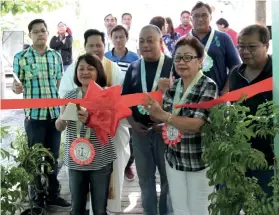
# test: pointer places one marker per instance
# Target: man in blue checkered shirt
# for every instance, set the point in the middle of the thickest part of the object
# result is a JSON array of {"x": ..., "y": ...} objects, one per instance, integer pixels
[{"x": 39, "y": 71}]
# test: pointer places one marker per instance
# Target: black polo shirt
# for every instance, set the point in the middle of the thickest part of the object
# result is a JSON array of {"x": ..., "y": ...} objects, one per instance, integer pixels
[
  {"x": 237, "y": 81},
  {"x": 132, "y": 82}
]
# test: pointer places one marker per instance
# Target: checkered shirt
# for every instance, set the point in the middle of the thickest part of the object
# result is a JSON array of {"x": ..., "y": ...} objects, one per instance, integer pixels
[
  {"x": 39, "y": 75},
  {"x": 186, "y": 155}
]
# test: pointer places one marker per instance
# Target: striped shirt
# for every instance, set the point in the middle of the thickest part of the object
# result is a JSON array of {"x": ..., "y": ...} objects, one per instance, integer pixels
[
  {"x": 124, "y": 61},
  {"x": 105, "y": 154},
  {"x": 39, "y": 75}
]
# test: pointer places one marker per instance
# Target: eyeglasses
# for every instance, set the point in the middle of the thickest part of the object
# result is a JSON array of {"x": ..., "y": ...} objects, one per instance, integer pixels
[
  {"x": 185, "y": 58},
  {"x": 38, "y": 32},
  {"x": 203, "y": 16},
  {"x": 250, "y": 48}
]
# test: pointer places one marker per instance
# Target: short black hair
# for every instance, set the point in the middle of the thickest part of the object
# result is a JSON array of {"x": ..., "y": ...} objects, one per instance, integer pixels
[
  {"x": 222, "y": 21},
  {"x": 261, "y": 30},
  {"x": 158, "y": 21},
  {"x": 185, "y": 11},
  {"x": 109, "y": 15},
  {"x": 93, "y": 61},
  {"x": 200, "y": 4},
  {"x": 36, "y": 21},
  {"x": 93, "y": 32},
  {"x": 191, "y": 41},
  {"x": 120, "y": 28},
  {"x": 126, "y": 14}
]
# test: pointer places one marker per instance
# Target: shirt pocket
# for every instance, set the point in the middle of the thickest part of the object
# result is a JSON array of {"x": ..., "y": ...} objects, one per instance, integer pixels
[{"x": 30, "y": 73}]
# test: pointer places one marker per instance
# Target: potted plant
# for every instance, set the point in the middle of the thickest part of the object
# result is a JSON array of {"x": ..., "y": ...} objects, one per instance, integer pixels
[
  {"x": 17, "y": 179},
  {"x": 227, "y": 150}
]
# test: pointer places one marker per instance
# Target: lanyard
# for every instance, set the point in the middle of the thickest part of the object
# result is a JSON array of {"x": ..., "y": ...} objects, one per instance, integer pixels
[
  {"x": 157, "y": 76},
  {"x": 177, "y": 99},
  {"x": 209, "y": 41},
  {"x": 79, "y": 124}
]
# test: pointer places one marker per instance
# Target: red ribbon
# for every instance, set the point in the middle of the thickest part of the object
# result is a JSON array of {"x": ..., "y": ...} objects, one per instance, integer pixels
[
  {"x": 250, "y": 91},
  {"x": 106, "y": 106}
]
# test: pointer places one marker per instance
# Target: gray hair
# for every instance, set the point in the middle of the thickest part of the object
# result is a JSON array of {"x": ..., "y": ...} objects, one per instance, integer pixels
[{"x": 154, "y": 28}]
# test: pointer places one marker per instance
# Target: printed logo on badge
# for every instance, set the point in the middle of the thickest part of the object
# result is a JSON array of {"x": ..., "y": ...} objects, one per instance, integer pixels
[
  {"x": 171, "y": 135},
  {"x": 82, "y": 151}
]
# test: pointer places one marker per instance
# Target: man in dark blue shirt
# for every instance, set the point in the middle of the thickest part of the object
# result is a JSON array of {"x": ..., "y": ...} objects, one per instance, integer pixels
[
  {"x": 222, "y": 56},
  {"x": 143, "y": 76}
]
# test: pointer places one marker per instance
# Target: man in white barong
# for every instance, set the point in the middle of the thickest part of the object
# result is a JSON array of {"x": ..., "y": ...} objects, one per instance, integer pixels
[{"x": 94, "y": 43}]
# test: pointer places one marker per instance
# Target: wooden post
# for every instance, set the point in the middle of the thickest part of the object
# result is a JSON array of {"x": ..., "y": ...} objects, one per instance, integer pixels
[
  {"x": 275, "y": 57},
  {"x": 260, "y": 12}
]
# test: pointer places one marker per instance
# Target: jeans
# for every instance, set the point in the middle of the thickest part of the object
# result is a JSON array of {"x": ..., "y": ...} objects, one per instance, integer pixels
[
  {"x": 149, "y": 154},
  {"x": 45, "y": 132},
  {"x": 132, "y": 158},
  {"x": 97, "y": 181},
  {"x": 189, "y": 191}
]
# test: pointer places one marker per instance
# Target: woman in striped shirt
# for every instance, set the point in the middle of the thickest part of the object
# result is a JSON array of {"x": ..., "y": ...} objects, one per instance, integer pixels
[{"x": 86, "y": 170}]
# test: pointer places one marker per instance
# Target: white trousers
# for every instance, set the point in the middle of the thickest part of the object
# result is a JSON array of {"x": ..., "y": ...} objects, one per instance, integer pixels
[{"x": 188, "y": 191}]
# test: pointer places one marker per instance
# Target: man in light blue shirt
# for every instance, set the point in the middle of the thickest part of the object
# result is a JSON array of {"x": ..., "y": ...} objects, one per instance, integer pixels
[
  {"x": 123, "y": 57},
  {"x": 120, "y": 54}
]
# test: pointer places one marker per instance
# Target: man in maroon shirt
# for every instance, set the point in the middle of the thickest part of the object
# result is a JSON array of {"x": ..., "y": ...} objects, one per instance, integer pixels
[{"x": 185, "y": 26}]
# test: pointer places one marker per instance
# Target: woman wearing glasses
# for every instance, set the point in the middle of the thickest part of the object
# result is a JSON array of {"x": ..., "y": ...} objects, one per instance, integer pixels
[{"x": 186, "y": 171}]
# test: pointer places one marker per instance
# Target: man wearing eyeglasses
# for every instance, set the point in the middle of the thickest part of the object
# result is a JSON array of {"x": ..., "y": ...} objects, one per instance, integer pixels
[
  {"x": 221, "y": 55},
  {"x": 37, "y": 72},
  {"x": 253, "y": 48}
]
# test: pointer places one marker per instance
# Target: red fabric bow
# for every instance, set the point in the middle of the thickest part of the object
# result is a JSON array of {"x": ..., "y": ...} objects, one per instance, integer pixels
[{"x": 105, "y": 110}]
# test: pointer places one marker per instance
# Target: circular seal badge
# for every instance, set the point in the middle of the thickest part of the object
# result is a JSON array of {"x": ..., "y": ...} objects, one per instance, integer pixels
[
  {"x": 82, "y": 151},
  {"x": 207, "y": 63},
  {"x": 171, "y": 135},
  {"x": 142, "y": 110}
]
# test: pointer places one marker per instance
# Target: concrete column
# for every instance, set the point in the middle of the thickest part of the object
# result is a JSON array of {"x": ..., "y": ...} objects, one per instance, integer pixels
[
  {"x": 2, "y": 71},
  {"x": 261, "y": 12},
  {"x": 275, "y": 57}
]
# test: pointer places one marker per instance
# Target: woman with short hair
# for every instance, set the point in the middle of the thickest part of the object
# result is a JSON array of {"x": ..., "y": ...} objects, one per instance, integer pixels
[
  {"x": 89, "y": 161},
  {"x": 185, "y": 169}
]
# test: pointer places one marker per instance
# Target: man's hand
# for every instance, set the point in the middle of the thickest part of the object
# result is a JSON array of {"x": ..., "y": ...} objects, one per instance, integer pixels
[
  {"x": 165, "y": 83},
  {"x": 17, "y": 88},
  {"x": 82, "y": 116}
]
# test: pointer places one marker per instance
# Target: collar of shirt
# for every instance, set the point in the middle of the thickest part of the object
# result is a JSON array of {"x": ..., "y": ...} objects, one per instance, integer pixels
[
  {"x": 187, "y": 28},
  {"x": 112, "y": 52},
  {"x": 31, "y": 49},
  {"x": 264, "y": 73},
  {"x": 205, "y": 38}
]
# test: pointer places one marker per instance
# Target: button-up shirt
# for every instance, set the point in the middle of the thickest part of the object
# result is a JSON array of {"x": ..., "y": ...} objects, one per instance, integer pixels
[
  {"x": 39, "y": 75},
  {"x": 187, "y": 155}
]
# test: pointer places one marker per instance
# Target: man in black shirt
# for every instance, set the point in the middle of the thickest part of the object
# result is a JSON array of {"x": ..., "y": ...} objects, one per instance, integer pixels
[
  {"x": 257, "y": 66},
  {"x": 143, "y": 76}
]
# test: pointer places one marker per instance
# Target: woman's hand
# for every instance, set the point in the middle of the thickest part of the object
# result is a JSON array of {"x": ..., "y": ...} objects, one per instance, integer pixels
[
  {"x": 82, "y": 116},
  {"x": 61, "y": 124},
  {"x": 153, "y": 107}
]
